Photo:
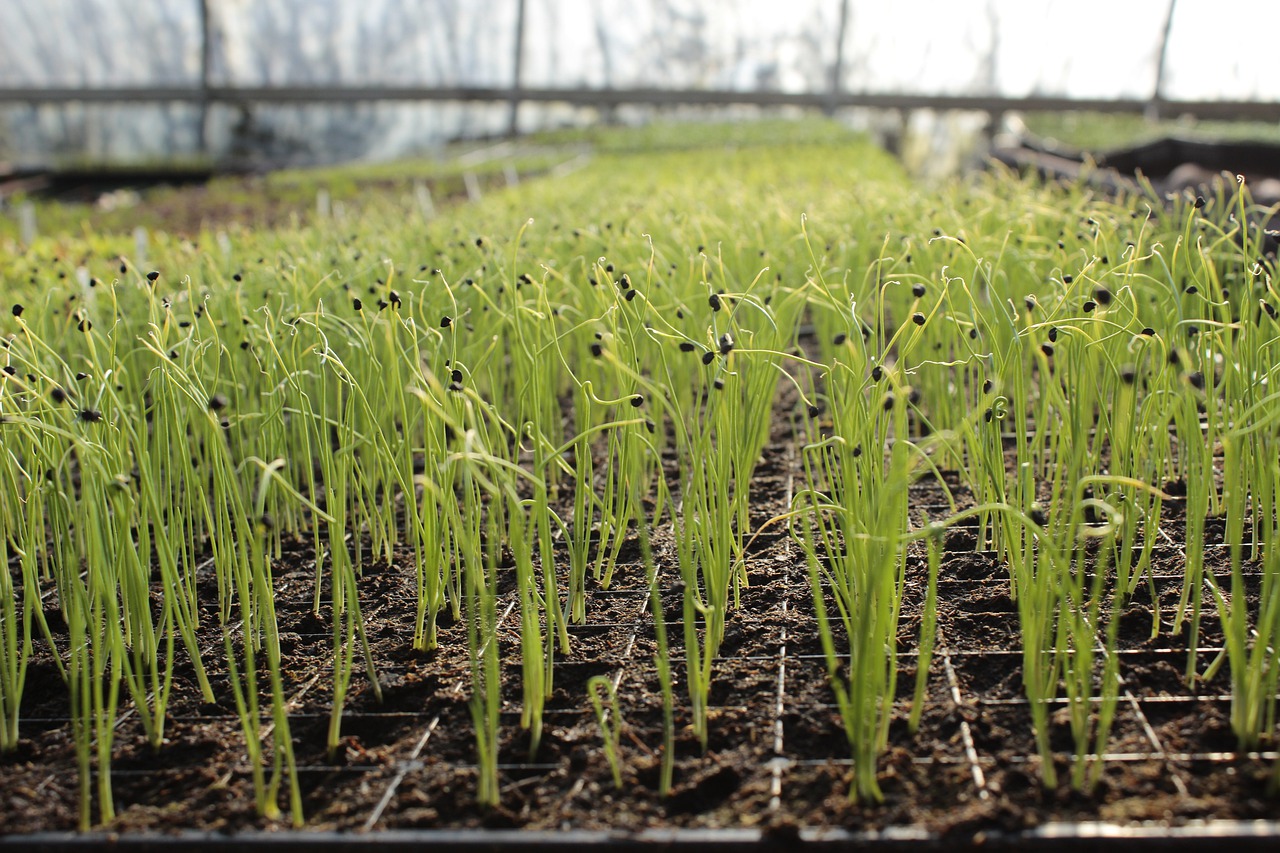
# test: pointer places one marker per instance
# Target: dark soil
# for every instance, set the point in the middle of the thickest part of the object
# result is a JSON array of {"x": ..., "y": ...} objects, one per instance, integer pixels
[{"x": 776, "y": 758}]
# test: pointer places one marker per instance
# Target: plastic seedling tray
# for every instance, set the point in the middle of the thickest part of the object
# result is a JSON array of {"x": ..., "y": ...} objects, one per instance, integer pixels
[{"x": 777, "y": 766}]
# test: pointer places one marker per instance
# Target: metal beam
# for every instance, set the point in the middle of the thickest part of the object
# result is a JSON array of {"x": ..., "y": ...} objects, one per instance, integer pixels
[
  {"x": 1256, "y": 110},
  {"x": 517, "y": 63}
]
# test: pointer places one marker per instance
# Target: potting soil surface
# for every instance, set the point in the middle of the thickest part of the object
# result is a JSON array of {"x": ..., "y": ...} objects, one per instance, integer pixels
[{"x": 777, "y": 756}]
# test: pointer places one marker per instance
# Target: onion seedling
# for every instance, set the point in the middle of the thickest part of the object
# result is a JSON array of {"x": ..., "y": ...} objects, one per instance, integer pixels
[{"x": 605, "y": 702}]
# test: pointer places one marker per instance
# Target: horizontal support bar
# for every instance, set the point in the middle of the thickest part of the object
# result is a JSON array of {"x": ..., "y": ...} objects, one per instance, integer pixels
[{"x": 323, "y": 94}]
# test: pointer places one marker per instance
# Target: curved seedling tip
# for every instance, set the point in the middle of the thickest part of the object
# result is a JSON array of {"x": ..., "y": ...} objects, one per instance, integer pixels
[
  {"x": 1114, "y": 517},
  {"x": 777, "y": 519},
  {"x": 829, "y": 441}
]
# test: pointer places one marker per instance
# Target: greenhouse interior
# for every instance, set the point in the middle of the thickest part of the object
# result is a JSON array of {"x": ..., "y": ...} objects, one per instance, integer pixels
[{"x": 687, "y": 425}]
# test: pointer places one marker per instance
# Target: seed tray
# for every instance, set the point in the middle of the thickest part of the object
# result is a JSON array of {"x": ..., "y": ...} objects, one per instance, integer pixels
[
  {"x": 773, "y": 724},
  {"x": 777, "y": 765},
  {"x": 1241, "y": 835}
]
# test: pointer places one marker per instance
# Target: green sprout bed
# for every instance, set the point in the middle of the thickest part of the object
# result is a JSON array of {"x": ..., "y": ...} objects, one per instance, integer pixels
[{"x": 575, "y": 387}]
